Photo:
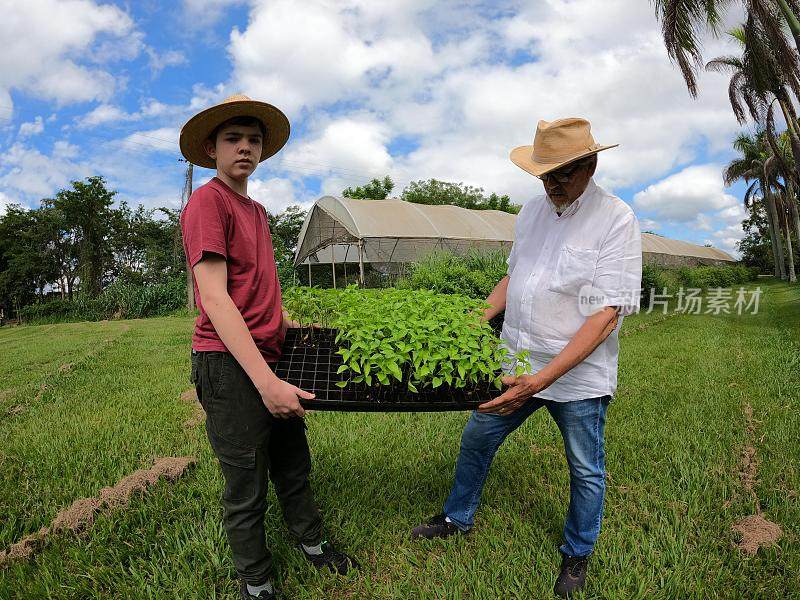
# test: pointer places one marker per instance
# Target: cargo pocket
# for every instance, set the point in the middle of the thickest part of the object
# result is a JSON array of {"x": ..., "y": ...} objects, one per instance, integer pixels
[
  {"x": 238, "y": 468},
  {"x": 234, "y": 409}
]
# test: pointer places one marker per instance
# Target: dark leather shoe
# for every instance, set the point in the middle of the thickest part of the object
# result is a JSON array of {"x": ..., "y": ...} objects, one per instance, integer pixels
[
  {"x": 573, "y": 575},
  {"x": 435, "y": 527}
]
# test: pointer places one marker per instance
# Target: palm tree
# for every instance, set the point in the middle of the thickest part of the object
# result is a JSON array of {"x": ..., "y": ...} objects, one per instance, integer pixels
[
  {"x": 684, "y": 21},
  {"x": 767, "y": 72},
  {"x": 781, "y": 167},
  {"x": 757, "y": 78},
  {"x": 750, "y": 167},
  {"x": 777, "y": 173}
]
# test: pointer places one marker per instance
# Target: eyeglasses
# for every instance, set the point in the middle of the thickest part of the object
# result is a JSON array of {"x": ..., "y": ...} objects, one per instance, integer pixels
[{"x": 562, "y": 176}]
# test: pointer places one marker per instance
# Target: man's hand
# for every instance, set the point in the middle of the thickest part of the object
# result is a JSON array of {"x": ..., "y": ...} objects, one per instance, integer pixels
[
  {"x": 281, "y": 399},
  {"x": 520, "y": 390}
]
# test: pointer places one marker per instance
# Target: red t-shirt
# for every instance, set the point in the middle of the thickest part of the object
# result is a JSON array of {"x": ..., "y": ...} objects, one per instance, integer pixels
[{"x": 218, "y": 220}]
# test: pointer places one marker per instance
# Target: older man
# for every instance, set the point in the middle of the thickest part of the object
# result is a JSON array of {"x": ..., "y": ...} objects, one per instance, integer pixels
[{"x": 574, "y": 271}]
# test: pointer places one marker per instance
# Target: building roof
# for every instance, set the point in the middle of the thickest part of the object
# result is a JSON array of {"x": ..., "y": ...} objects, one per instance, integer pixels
[{"x": 398, "y": 231}]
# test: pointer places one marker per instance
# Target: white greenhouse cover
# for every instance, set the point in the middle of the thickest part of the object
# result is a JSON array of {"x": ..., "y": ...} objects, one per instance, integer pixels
[
  {"x": 395, "y": 231},
  {"x": 657, "y": 244}
]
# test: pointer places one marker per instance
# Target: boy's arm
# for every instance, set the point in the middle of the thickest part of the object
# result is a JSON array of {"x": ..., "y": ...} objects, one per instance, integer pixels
[{"x": 280, "y": 397}]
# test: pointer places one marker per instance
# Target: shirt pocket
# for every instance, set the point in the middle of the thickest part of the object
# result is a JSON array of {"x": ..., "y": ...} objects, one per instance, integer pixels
[{"x": 574, "y": 269}]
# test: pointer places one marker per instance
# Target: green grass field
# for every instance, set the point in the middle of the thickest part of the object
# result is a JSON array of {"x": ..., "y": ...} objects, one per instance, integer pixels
[{"x": 675, "y": 436}]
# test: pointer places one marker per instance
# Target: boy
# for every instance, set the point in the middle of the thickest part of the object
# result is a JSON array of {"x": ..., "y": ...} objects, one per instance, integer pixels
[{"x": 254, "y": 420}]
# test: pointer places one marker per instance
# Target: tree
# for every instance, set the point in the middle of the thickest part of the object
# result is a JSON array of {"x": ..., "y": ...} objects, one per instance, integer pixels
[
  {"x": 143, "y": 245},
  {"x": 376, "y": 189},
  {"x": 285, "y": 231},
  {"x": 434, "y": 191},
  {"x": 26, "y": 265},
  {"x": 755, "y": 246},
  {"x": 87, "y": 209},
  {"x": 62, "y": 245},
  {"x": 751, "y": 168}
]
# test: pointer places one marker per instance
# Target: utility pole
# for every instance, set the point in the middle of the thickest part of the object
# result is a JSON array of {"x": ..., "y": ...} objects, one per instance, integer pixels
[{"x": 187, "y": 192}]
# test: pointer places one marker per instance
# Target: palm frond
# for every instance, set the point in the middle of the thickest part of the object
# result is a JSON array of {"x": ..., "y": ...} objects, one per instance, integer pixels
[
  {"x": 750, "y": 193},
  {"x": 681, "y": 24},
  {"x": 725, "y": 64}
]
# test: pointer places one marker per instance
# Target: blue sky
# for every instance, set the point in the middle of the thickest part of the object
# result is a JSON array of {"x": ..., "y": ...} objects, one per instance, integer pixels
[{"x": 414, "y": 89}]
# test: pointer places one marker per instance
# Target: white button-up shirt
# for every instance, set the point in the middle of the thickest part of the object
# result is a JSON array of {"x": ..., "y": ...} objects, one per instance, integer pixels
[{"x": 595, "y": 242}]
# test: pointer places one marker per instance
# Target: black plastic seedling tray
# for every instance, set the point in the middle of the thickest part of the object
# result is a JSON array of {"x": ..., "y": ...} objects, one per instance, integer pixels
[{"x": 310, "y": 362}]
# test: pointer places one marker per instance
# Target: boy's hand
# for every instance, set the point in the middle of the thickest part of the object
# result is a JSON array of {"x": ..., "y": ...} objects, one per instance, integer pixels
[{"x": 281, "y": 399}]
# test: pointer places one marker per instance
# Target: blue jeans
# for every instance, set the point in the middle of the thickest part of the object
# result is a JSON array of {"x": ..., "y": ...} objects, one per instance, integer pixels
[{"x": 582, "y": 425}]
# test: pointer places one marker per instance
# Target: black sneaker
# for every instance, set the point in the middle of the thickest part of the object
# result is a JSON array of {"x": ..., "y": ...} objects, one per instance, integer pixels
[
  {"x": 265, "y": 595},
  {"x": 331, "y": 558},
  {"x": 573, "y": 575},
  {"x": 435, "y": 527}
]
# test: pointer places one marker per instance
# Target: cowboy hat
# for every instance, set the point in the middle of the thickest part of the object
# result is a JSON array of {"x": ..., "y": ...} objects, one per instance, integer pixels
[
  {"x": 198, "y": 129},
  {"x": 557, "y": 143}
]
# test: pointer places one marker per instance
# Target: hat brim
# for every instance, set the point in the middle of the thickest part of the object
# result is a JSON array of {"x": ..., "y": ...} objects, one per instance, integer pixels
[
  {"x": 522, "y": 156},
  {"x": 197, "y": 129}
]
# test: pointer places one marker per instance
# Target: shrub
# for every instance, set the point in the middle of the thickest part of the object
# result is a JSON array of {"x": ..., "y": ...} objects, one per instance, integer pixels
[
  {"x": 473, "y": 275},
  {"x": 715, "y": 277},
  {"x": 118, "y": 301},
  {"x": 654, "y": 280}
]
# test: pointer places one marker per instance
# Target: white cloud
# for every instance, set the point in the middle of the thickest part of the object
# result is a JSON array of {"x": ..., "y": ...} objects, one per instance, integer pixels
[
  {"x": 649, "y": 224},
  {"x": 31, "y": 128},
  {"x": 694, "y": 200},
  {"x": 43, "y": 41},
  {"x": 105, "y": 113},
  {"x": 355, "y": 146},
  {"x": 275, "y": 194},
  {"x": 163, "y": 139},
  {"x": 110, "y": 113},
  {"x": 32, "y": 173},
  {"x": 170, "y": 58},
  {"x": 431, "y": 71},
  {"x": 684, "y": 195},
  {"x": 5, "y": 201},
  {"x": 206, "y": 12}
]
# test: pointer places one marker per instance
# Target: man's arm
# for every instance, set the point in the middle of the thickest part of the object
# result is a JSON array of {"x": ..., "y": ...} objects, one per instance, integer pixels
[
  {"x": 591, "y": 334},
  {"x": 280, "y": 397},
  {"x": 496, "y": 300}
]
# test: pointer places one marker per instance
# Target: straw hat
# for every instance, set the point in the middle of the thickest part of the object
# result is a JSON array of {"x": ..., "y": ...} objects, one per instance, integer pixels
[
  {"x": 556, "y": 144},
  {"x": 199, "y": 127}
]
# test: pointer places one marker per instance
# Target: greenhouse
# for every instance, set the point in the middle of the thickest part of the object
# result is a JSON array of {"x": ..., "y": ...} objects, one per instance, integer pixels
[{"x": 387, "y": 234}]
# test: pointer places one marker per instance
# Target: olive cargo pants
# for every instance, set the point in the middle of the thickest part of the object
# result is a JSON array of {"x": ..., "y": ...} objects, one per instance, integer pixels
[{"x": 254, "y": 447}]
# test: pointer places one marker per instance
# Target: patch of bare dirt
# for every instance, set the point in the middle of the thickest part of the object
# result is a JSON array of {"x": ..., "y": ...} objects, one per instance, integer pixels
[
  {"x": 25, "y": 547},
  {"x": 80, "y": 515},
  {"x": 198, "y": 414},
  {"x": 757, "y": 532},
  {"x": 189, "y": 395},
  {"x": 65, "y": 368},
  {"x": 748, "y": 464},
  {"x": 15, "y": 410}
]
